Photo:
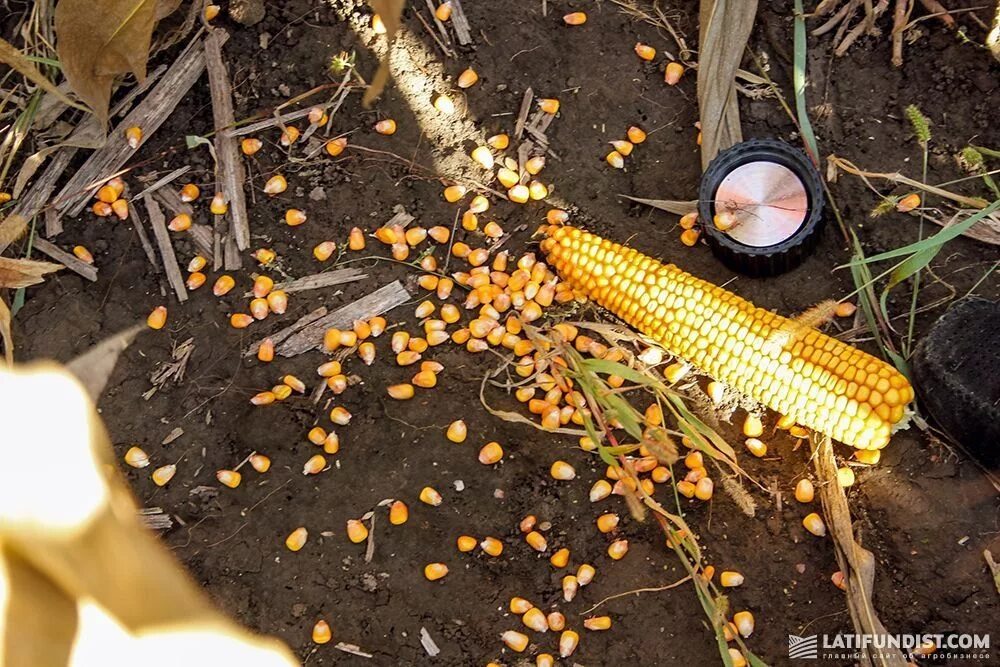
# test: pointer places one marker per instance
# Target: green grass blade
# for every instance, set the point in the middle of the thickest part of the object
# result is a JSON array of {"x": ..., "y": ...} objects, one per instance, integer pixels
[
  {"x": 931, "y": 242},
  {"x": 799, "y": 84}
]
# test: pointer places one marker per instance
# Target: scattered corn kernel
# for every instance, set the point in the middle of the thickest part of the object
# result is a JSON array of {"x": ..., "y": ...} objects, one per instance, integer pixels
[
  {"x": 515, "y": 641},
  {"x": 260, "y": 463},
  {"x": 575, "y": 18},
  {"x": 387, "y": 126},
  {"x": 568, "y": 642},
  {"x": 908, "y": 203},
  {"x": 549, "y": 105},
  {"x": 491, "y": 453},
  {"x": 607, "y": 522},
  {"x": 597, "y": 623},
  {"x": 673, "y": 73},
  {"x": 804, "y": 491},
  {"x": 294, "y": 217},
  {"x": 158, "y": 318},
  {"x": 645, "y": 51},
  {"x": 730, "y": 579},
  {"x": 492, "y": 546},
  {"x": 618, "y": 549},
  {"x": 536, "y": 541},
  {"x": 136, "y": 458},
  {"x": 297, "y": 539},
  {"x": 315, "y": 465},
  {"x": 357, "y": 532},
  {"x": 429, "y": 496},
  {"x": 560, "y": 558},
  {"x": 164, "y": 474},
  {"x": 562, "y": 471},
  {"x": 229, "y": 478},
  {"x": 133, "y": 136},
  {"x": 814, "y": 524},
  {"x": 467, "y": 78},
  {"x": 615, "y": 159},
  {"x": 435, "y": 571}
]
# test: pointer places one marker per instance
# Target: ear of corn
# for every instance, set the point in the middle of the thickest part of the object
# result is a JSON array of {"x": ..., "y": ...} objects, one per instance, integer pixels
[{"x": 820, "y": 382}]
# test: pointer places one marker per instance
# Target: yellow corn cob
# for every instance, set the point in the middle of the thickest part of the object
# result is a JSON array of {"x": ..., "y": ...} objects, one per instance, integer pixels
[{"x": 818, "y": 381}]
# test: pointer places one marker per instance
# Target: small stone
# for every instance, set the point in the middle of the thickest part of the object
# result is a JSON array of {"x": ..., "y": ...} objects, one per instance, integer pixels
[
  {"x": 298, "y": 610},
  {"x": 318, "y": 193}
]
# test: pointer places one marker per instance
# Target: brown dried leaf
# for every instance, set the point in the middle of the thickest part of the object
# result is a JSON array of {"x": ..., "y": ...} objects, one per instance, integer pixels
[
  {"x": 100, "y": 39},
  {"x": 390, "y": 11},
  {"x": 16, "y": 273},
  {"x": 11, "y": 230},
  {"x": 19, "y": 62}
]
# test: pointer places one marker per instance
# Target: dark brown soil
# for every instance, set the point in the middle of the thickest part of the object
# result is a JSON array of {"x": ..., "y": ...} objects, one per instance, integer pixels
[{"x": 926, "y": 514}]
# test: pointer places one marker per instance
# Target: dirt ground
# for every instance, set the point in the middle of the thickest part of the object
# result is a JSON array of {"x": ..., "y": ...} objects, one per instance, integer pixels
[{"x": 926, "y": 514}]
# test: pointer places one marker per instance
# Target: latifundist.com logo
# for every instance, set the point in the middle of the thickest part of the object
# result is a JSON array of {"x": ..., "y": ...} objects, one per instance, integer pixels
[{"x": 852, "y": 647}]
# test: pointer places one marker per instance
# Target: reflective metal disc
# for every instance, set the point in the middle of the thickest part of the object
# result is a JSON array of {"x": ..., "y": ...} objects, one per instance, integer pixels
[{"x": 768, "y": 199}]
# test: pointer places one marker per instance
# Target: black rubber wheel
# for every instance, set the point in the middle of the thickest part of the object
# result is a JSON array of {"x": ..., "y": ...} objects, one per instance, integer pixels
[{"x": 769, "y": 260}]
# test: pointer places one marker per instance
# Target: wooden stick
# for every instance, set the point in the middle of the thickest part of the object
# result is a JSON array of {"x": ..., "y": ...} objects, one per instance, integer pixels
[
  {"x": 899, "y": 17},
  {"x": 166, "y": 180},
  {"x": 149, "y": 114},
  {"x": 88, "y": 271},
  {"x": 267, "y": 123},
  {"x": 522, "y": 115},
  {"x": 35, "y": 199},
  {"x": 378, "y": 302},
  {"x": 318, "y": 280},
  {"x": 147, "y": 247},
  {"x": 461, "y": 24},
  {"x": 230, "y": 174},
  {"x": 288, "y": 331},
  {"x": 440, "y": 26},
  {"x": 171, "y": 200},
  {"x": 173, "y": 271}
]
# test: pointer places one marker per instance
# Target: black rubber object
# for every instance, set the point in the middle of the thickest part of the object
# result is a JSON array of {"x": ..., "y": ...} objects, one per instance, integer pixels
[
  {"x": 956, "y": 372},
  {"x": 771, "y": 260}
]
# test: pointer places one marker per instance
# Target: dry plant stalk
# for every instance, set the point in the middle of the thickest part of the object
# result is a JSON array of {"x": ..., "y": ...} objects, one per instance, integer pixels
[{"x": 856, "y": 562}]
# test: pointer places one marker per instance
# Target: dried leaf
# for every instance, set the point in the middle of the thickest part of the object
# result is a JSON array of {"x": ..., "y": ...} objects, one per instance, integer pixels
[
  {"x": 93, "y": 368},
  {"x": 20, "y": 63},
  {"x": 11, "y": 230},
  {"x": 15, "y": 273},
  {"x": 100, "y": 39},
  {"x": 390, "y": 12},
  {"x": 8, "y": 342}
]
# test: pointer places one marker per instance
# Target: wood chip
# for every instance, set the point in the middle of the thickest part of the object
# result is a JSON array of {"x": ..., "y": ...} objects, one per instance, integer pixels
[
  {"x": 378, "y": 302},
  {"x": 428, "y": 643},
  {"x": 230, "y": 173},
  {"x": 522, "y": 114},
  {"x": 460, "y": 23},
  {"x": 353, "y": 649},
  {"x": 173, "y": 435},
  {"x": 88, "y": 271},
  {"x": 163, "y": 242},
  {"x": 155, "y": 519},
  {"x": 287, "y": 332},
  {"x": 318, "y": 280},
  {"x": 149, "y": 114},
  {"x": 171, "y": 200}
]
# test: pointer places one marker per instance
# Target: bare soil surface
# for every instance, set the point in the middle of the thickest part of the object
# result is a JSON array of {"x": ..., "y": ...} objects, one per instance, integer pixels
[{"x": 926, "y": 513}]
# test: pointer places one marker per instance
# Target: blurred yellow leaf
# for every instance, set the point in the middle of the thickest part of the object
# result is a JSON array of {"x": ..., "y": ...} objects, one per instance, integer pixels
[
  {"x": 8, "y": 343},
  {"x": 96, "y": 40},
  {"x": 20, "y": 63},
  {"x": 15, "y": 273},
  {"x": 390, "y": 12}
]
